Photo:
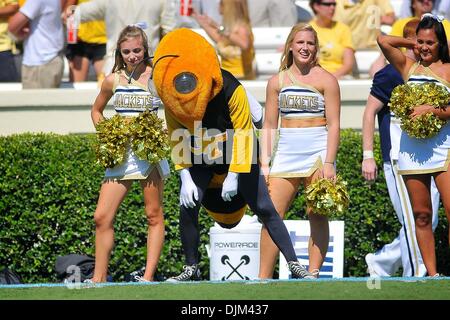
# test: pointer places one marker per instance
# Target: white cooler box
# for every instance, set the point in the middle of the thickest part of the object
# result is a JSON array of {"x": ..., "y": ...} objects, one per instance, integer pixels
[{"x": 234, "y": 253}]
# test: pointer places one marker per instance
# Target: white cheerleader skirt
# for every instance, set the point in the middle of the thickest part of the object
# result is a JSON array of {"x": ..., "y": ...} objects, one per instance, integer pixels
[
  {"x": 422, "y": 156},
  {"x": 136, "y": 169},
  {"x": 299, "y": 152}
]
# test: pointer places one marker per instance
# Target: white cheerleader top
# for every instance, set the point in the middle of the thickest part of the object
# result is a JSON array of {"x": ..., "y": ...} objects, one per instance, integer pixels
[
  {"x": 131, "y": 99},
  {"x": 299, "y": 100},
  {"x": 426, "y": 75}
]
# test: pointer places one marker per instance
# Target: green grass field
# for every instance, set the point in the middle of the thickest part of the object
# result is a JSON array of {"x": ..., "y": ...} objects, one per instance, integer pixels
[{"x": 361, "y": 289}]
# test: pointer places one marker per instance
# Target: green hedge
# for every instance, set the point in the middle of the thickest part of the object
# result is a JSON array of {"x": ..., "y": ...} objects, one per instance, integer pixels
[{"x": 48, "y": 192}]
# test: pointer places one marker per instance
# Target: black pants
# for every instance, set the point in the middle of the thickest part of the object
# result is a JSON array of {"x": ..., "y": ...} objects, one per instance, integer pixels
[
  {"x": 8, "y": 69},
  {"x": 252, "y": 187}
]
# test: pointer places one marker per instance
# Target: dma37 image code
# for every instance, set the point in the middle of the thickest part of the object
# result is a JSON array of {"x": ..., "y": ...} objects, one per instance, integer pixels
[{"x": 232, "y": 310}]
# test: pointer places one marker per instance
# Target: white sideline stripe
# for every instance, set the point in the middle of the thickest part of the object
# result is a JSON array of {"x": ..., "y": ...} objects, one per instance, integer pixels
[{"x": 111, "y": 284}]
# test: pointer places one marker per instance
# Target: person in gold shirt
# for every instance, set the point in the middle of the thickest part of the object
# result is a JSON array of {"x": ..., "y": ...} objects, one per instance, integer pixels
[
  {"x": 337, "y": 53},
  {"x": 90, "y": 47},
  {"x": 365, "y": 17}
]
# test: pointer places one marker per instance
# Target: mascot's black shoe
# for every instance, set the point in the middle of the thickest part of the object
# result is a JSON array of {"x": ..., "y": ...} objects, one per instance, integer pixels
[
  {"x": 190, "y": 273},
  {"x": 299, "y": 271}
]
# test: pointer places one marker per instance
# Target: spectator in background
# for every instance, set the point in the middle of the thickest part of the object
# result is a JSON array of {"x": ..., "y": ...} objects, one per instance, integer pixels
[
  {"x": 233, "y": 38},
  {"x": 160, "y": 17},
  {"x": 440, "y": 7},
  {"x": 206, "y": 8},
  {"x": 406, "y": 9},
  {"x": 365, "y": 18},
  {"x": 38, "y": 23},
  {"x": 417, "y": 9},
  {"x": 272, "y": 13},
  {"x": 262, "y": 13},
  {"x": 336, "y": 54},
  {"x": 8, "y": 70},
  {"x": 90, "y": 47}
]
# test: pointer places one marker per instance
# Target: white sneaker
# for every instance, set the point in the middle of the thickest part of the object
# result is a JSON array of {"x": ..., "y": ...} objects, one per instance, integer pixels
[
  {"x": 190, "y": 273},
  {"x": 315, "y": 273},
  {"x": 140, "y": 279},
  {"x": 299, "y": 271},
  {"x": 437, "y": 275},
  {"x": 370, "y": 269}
]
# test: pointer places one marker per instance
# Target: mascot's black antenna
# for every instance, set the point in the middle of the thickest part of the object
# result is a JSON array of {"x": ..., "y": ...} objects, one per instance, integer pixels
[
  {"x": 166, "y": 56},
  {"x": 150, "y": 84}
]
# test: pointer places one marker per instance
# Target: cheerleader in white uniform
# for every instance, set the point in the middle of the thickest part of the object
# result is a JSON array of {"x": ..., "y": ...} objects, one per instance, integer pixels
[
  {"x": 413, "y": 157},
  {"x": 127, "y": 85},
  {"x": 420, "y": 159},
  {"x": 307, "y": 99}
]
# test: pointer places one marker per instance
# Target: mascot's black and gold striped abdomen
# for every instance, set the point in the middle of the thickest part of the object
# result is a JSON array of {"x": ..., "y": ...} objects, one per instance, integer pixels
[{"x": 226, "y": 214}]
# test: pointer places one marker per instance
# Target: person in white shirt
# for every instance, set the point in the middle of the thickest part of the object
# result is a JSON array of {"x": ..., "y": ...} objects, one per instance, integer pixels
[{"x": 39, "y": 24}]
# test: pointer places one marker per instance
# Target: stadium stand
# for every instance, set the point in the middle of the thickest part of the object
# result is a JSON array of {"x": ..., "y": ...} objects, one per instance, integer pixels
[
  {"x": 268, "y": 42},
  {"x": 72, "y": 104}
]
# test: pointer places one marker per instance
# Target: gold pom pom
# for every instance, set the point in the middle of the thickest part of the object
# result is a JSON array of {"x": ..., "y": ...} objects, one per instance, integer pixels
[
  {"x": 145, "y": 134},
  {"x": 112, "y": 139},
  {"x": 328, "y": 197},
  {"x": 407, "y": 96},
  {"x": 149, "y": 137}
]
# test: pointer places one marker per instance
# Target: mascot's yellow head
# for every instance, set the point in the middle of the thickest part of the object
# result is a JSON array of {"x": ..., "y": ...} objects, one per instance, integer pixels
[{"x": 186, "y": 74}]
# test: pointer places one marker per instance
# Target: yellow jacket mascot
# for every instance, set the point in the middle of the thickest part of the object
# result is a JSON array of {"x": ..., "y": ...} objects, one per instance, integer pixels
[{"x": 214, "y": 146}]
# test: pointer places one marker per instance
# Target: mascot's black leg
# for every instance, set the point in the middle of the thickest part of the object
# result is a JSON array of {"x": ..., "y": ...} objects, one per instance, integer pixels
[
  {"x": 253, "y": 188},
  {"x": 189, "y": 231}
]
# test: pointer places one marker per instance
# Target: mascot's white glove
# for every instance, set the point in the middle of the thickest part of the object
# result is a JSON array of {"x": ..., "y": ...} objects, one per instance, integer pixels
[
  {"x": 188, "y": 190},
  {"x": 230, "y": 186}
]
